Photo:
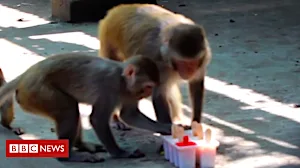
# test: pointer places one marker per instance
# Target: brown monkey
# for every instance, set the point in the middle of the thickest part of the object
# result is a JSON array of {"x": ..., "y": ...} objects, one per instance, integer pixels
[
  {"x": 176, "y": 43},
  {"x": 54, "y": 87},
  {"x": 7, "y": 110}
]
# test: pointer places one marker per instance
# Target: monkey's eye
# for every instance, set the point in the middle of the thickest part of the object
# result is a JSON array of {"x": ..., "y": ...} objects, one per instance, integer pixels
[
  {"x": 148, "y": 87},
  {"x": 141, "y": 91}
]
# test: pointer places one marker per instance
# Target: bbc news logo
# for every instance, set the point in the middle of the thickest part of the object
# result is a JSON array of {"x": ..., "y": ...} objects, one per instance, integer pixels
[{"x": 37, "y": 148}]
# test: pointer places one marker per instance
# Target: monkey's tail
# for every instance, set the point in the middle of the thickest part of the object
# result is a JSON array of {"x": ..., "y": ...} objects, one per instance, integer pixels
[
  {"x": 2, "y": 79},
  {"x": 7, "y": 90}
]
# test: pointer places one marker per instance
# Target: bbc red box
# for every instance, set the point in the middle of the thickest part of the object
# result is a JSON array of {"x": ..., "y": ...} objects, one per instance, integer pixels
[{"x": 37, "y": 148}]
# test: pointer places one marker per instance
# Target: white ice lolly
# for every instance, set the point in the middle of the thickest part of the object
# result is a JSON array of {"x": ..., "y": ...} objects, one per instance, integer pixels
[
  {"x": 208, "y": 150},
  {"x": 186, "y": 153}
]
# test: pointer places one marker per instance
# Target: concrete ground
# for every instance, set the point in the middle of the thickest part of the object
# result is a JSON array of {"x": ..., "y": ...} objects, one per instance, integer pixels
[{"x": 252, "y": 81}]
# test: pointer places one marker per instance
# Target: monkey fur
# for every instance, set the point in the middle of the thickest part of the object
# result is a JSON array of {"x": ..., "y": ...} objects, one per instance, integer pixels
[
  {"x": 7, "y": 110},
  {"x": 176, "y": 43},
  {"x": 53, "y": 88}
]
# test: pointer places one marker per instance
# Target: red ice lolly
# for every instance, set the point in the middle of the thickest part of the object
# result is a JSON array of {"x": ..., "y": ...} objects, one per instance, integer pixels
[{"x": 185, "y": 142}]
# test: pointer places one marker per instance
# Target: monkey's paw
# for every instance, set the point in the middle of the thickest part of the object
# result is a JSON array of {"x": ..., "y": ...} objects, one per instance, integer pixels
[
  {"x": 18, "y": 131},
  {"x": 15, "y": 130},
  {"x": 125, "y": 154},
  {"x": 118, "y": 125},
  {"x": 185, "y": 127},
  {"x": 137, "y": 154},
  {"x": 90, "y": 147},
  {"x": 82, "y": 157}
]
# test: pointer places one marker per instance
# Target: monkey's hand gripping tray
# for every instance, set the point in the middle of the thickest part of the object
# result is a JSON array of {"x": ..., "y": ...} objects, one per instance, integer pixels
[{"x": 189, "y": 151}]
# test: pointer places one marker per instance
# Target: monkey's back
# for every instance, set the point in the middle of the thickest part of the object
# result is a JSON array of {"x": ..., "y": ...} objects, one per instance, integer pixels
[
  {"x": 135, "y": 28},
  {"x": 81, "y": 76}
]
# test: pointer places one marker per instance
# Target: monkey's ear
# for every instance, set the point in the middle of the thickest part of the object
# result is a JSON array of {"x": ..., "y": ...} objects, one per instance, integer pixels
[{"x": 129, "y": 71}]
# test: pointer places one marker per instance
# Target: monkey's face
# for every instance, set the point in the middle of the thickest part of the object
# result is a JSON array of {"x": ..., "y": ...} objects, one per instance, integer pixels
[
  {"x": 186, "y": 68},
  {"x": 186, "y": 49}
]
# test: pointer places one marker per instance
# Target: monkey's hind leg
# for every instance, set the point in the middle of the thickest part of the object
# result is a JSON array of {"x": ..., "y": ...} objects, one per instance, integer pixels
[
  {"x": 7, "y": 116},
  {"x": 63, "y": 109},
  {"x": 83, "y": 146},
  {"x": 109, "y": 51}
]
